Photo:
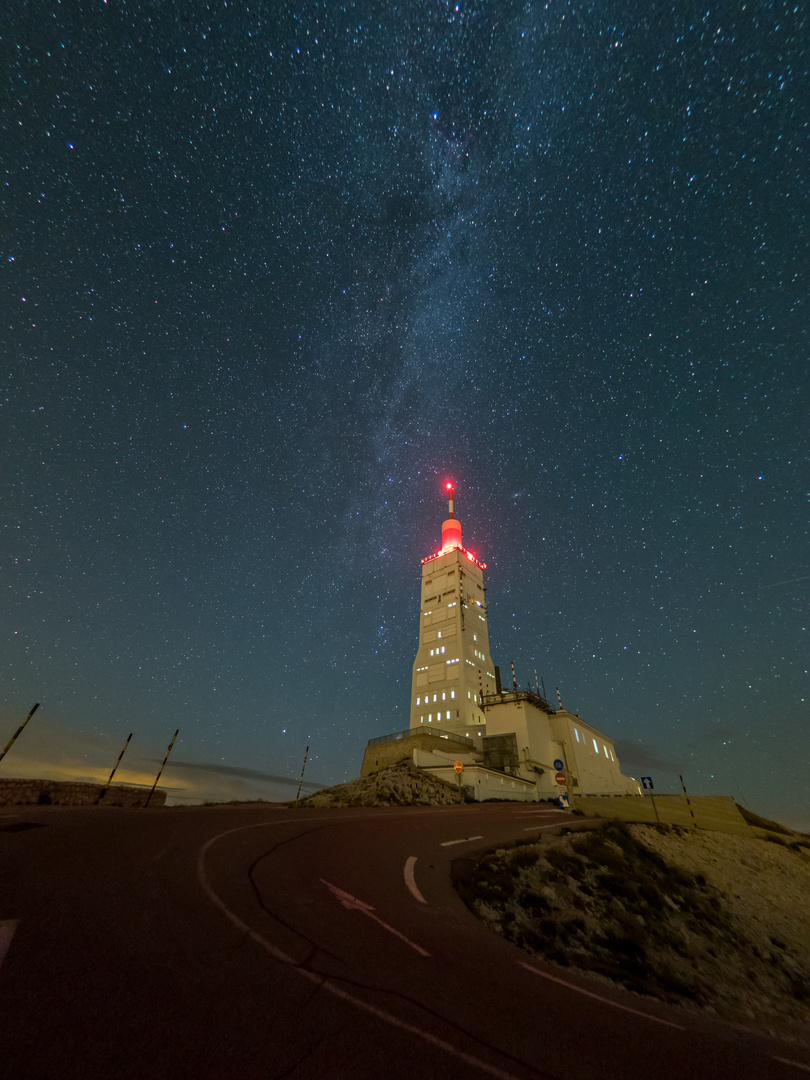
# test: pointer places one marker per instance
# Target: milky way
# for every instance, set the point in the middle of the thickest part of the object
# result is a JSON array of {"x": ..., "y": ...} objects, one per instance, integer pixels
[{"x": 271, "y": 272}]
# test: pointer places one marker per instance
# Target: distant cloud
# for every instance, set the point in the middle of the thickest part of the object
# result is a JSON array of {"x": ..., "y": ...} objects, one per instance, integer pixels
[
  {"x": 633, "y": 755},
  {"x": 241, "y": 774}
]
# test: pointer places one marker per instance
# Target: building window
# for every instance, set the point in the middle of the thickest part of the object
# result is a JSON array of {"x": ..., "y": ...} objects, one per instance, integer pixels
[
  {"x": 577, "y": 734},
  {"x": 452, "y": 693},
  {"x": 430, "y": 717},
  {"x": 418, "y": 701},
  {"x": 439, "y": 634},
  {"x": 448, "y": 714},
  {"x": 444, "y": 695},
  {"x": 595, "y": 746},
  {"x": 435, "y": 697}
]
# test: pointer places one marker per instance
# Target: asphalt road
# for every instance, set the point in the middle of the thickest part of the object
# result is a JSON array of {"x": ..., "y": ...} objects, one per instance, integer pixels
[{"x": 270, "y": 942}]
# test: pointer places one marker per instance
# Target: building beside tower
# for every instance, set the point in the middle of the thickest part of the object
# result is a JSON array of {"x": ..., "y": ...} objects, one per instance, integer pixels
[{"x": 509, "y": 744}]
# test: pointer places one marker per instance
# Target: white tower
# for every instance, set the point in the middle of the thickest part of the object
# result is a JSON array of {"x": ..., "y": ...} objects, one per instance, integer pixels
[{"x": 452, "y": 666}]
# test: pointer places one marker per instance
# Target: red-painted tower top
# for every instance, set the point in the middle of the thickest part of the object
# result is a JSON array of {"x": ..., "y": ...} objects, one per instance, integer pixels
[
  {"x": 451, "y": 532},
  {"x": 451, "y": 529}
]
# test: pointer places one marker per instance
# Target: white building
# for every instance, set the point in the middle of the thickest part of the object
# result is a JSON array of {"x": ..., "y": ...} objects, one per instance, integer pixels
[
  {"x": 509, "y": 744},
  {"x": 453, "y": 667}
]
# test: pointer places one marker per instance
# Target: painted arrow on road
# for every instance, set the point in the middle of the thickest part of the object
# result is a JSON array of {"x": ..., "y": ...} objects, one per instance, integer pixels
[{"x": 353, "y": 904}]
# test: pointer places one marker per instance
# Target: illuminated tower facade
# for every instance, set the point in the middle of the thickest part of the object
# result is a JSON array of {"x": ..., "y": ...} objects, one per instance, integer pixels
[{"x": 452, "y": 666}]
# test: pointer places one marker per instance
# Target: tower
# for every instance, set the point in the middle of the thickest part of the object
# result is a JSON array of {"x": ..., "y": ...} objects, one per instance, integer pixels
[{"x": 452, "y": 666}]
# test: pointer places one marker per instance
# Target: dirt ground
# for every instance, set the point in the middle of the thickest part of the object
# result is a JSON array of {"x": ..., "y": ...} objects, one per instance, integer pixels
[{"x": 701, "y": 919}]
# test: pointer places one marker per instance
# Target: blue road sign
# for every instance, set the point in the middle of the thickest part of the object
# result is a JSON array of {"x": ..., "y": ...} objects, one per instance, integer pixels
[
  {"x": 558, "y": 765},
  {"x": 646, "y": 783},
  {"x": 564, "y": 803}
]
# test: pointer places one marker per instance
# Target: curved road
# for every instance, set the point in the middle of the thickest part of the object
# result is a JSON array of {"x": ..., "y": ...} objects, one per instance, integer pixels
[{"x": 272, "y": 942}]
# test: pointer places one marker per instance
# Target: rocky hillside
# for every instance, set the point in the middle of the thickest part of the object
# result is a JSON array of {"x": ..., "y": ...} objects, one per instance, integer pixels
[
  {"x": 401, "y": 785},
  {"x": 691, "y": 917}
]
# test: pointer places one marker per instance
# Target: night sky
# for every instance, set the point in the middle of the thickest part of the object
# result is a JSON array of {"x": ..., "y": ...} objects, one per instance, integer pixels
[{"x": 273, "y": 271}]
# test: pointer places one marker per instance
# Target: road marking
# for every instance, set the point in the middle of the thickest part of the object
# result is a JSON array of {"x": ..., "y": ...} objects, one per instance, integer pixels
[
  {"x": 464, "y": 840},
  {"x": 795, "y": 1064},
  {"x": 319, "y": 980},
  {"x": 353, "y": 904},
  {"x": 606, "y": 1001},
  {"x": 534, "y": 828},
  {"x": 7, "y": 928},
  {"x": 410, "y": 880}
]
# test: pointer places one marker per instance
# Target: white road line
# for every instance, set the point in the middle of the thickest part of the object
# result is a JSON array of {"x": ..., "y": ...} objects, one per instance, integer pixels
[
  {"x": 606, "y": 1001},
  {"x": 464, "y": 840},
  {"x": 7, "y": 928},
  {"x": 410, "y": 880},
  {"x": 326, "y": 984},
  {"x": 795, "y": 1064},
  {"x": 353, "y": 904}
]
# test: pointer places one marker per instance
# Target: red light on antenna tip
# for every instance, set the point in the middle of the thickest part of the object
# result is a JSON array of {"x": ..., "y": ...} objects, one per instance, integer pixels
[{"x": 449, "y": 485}]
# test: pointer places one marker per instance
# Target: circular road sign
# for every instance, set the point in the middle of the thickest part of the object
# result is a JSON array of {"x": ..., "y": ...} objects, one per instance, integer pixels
[
  {"x": 458, "y": 766},
  {"x": 560, "y": 778},
  {"x": 558, "y": 765}
]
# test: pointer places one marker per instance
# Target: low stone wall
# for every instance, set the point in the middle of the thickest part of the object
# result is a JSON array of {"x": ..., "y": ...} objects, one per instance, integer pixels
[
  {"x": 717, "y": 812},
  {"x": 15, "y": 792}
]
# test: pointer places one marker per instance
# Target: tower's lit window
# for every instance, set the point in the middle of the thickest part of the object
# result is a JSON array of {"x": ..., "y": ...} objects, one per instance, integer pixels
[
  {"x": 430, "y": 717},
  {"x": 452, "y": 693},
  {"x": 418, "y": 701},
  {"x": 444, "y": 695},
  {"x": 439, "y": 634},
  {"x": 595, "y": 745},
  {"x": 435, "y": 697},
  {"x": 448, "y": 714},
  {"x": 577, "y": 734}
]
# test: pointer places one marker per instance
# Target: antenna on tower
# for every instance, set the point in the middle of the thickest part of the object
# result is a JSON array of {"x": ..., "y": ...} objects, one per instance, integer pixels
[{"x": 448, "y": 487}]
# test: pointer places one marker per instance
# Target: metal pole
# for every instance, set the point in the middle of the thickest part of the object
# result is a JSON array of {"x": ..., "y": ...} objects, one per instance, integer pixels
[
  {"x": 112, "y": 774},
  {"x": 162, "y": 767},
  {"x": 683, "y": 785},
  {"x": 514, "y": 680},
  {"x": 17, "y": 732},
  {"x": 301, "y": 781}
]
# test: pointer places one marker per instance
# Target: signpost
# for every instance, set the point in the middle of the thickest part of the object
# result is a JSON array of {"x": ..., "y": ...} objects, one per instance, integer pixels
[
  {"x": 459, "y": 770},
  {"x": 647, "y": 784}
]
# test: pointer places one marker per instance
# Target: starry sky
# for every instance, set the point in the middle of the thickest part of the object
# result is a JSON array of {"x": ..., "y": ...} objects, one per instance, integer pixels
[{"x": 273, "y": 271}]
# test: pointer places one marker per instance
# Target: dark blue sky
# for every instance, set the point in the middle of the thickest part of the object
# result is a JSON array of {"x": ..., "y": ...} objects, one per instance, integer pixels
[{"x": 272, "y": 271}]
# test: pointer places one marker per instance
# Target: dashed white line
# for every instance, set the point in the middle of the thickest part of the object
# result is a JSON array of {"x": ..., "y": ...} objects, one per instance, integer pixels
[
  {"x": 463, "y": 840},
  {"x": 606, "y": 1001},
  {"x": 410, "y": 880},
  {"x": 7, "y": 928}
]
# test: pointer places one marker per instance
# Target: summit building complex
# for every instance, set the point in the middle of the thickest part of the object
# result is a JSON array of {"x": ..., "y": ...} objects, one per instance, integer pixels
[{"x": 508, "y": 744}]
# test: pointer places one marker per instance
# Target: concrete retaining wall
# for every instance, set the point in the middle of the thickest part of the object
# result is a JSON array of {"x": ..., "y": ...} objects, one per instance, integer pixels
[
  {"x": 15, "y": 792},
  {"x": 718, "y": 812}
]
